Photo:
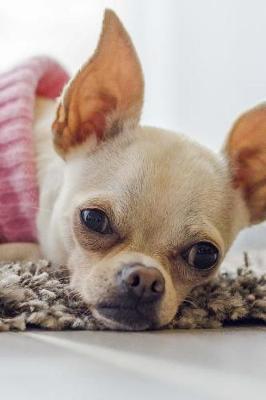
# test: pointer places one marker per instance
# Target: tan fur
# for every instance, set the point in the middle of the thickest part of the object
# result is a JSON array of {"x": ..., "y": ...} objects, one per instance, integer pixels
[
  {"x": 246, "y": 147},
  {"x": 162, "y": 191}
]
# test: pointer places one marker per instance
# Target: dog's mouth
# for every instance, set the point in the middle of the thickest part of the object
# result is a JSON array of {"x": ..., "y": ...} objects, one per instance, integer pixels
[{"x": 129, "y": 318}]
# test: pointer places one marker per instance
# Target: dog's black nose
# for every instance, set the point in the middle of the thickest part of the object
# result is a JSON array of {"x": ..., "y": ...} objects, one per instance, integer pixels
[{"x": 142, "y": 282}]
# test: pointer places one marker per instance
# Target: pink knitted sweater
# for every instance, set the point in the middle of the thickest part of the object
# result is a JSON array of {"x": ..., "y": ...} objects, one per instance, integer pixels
[{"x": 18, "y": 184}]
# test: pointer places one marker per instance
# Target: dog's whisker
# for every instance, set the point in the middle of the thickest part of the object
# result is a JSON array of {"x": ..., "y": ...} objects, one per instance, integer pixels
[{"x": 190, "y": 302}]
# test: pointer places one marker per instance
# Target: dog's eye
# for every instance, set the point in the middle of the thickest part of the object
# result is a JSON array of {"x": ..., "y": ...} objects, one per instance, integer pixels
[
  {"x": 96, "y": 220},
  {"x": 202, "y": 255}
]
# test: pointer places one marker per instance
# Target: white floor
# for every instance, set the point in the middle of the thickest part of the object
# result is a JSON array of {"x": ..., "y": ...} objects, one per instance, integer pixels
[{"x": 186, "y": 365}]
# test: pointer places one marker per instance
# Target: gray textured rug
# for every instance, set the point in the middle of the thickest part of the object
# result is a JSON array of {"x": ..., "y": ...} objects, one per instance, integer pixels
[{"x": 36, "y": 295}]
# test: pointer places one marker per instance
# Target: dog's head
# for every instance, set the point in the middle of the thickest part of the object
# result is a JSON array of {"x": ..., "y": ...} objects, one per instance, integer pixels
[{"x": 145, "y": 215}]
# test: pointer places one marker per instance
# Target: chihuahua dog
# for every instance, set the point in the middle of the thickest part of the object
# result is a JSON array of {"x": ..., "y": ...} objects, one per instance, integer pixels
[{"x": 139, "y": 215}]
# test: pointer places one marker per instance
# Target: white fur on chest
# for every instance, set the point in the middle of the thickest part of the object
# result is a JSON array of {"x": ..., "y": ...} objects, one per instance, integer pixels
[{"x": 50, "y": 175}]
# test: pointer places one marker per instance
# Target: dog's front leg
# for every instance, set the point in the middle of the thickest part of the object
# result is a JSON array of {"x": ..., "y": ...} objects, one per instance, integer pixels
[{"x": 19, "y": 252}]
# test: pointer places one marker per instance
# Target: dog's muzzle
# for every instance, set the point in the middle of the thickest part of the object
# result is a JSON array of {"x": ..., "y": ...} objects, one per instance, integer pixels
[{"x": 135, "y": 298}]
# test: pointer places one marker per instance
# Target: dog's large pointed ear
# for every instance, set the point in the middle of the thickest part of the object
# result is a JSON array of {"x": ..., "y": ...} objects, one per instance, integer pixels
[
  {"x": 246, "y": 150},
  {"x": 106, "y": 94}
]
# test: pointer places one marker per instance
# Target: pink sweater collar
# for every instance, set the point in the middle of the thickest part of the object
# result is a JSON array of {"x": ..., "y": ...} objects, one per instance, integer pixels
[{"x": 18, "y": 184}]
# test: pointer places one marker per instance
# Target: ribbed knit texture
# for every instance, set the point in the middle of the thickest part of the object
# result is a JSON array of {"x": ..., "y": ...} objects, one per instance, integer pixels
[{"x": 18, "y": 184}]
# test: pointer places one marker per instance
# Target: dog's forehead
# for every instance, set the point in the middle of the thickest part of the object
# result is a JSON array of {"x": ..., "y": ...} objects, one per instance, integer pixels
[
  {"x": 175, "y": 179},
  {"x": 159, "y": 179},
  {"x": 163, "y": 166}
]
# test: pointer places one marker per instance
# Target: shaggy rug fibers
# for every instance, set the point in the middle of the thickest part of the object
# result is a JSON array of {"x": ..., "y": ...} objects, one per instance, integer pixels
[{"x": 35, "y": 295}]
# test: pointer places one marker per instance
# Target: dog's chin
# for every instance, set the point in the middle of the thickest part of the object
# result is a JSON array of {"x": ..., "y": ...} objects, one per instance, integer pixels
[{"x": 123, "y": 319}]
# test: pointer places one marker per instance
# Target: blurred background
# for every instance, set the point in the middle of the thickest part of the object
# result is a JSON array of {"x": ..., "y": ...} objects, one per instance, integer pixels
[{"x": 204, "y": 61}]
